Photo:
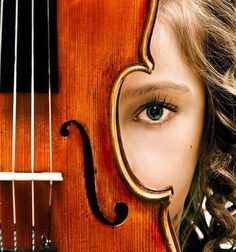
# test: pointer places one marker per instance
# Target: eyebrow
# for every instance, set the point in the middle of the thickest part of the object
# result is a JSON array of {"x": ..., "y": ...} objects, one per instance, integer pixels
[{"x": 163, "y": 85}]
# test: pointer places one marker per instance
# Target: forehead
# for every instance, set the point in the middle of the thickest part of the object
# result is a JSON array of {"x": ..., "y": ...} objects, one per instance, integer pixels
[
  {"x": 164, "y": 46},
  {"x": 169, "y": 61}
]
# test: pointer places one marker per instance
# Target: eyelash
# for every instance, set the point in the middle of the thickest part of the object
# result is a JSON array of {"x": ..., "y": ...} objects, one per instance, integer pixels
[{"x": 156, "y": 101}]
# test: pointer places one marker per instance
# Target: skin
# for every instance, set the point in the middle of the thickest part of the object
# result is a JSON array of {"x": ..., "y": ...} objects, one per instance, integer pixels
[{"x": 163, "y": 150}]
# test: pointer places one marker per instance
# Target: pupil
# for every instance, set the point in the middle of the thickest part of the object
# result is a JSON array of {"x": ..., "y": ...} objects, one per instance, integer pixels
[{"x": 154, "y": 112}]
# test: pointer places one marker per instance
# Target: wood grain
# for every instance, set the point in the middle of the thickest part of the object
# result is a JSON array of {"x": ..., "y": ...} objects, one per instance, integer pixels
[{"x": 96, "y": 39}]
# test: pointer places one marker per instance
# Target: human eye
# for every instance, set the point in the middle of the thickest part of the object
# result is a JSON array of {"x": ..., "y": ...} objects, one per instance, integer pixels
[{"x": 155, "y": 112}]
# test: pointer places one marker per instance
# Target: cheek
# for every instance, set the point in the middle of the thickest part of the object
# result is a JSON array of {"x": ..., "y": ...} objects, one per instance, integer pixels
[{"x": 164, "y": 157}]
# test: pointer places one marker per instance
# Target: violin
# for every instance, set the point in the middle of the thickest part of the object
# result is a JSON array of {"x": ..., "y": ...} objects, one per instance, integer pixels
[{"x": 65, "y": 182}]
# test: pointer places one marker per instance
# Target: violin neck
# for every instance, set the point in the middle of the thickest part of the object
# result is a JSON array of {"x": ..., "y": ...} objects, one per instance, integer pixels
[{"x": 16, "y": 29}]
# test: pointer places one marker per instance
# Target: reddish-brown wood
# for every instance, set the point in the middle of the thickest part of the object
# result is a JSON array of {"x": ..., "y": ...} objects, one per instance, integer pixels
[{"x": 96, "y": 39}]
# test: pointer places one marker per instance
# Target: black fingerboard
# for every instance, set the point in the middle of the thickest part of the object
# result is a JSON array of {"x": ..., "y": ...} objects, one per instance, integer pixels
[{"x": 45, "y": 46}]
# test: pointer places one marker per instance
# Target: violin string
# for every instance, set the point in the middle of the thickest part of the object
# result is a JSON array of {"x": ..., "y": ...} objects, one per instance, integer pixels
[
  {"x": 1, "y": 235},
  {"x": 14, "y": 126},
  {"x": 1, "y": 26},
  {"x": 50, "y": 117},
  {"x": 32, "y": 123}
]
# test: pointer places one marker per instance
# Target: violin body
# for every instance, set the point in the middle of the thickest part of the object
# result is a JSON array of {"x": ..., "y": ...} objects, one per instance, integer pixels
[{"x": 95, "y": 41}]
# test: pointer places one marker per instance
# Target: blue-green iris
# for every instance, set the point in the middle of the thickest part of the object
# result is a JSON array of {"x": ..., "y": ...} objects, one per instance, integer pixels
[{"x": 154, "y": 112}]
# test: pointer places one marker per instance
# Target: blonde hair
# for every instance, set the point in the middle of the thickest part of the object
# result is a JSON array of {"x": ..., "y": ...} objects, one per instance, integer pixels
[{"x": 206, "y": 33}]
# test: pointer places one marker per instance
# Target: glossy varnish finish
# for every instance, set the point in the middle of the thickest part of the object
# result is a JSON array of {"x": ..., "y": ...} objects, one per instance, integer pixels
[{"x": 96, "y": 39}]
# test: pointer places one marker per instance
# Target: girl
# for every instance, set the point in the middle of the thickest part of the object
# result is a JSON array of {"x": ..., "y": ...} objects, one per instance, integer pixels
[{"x": 178, "y": 125}]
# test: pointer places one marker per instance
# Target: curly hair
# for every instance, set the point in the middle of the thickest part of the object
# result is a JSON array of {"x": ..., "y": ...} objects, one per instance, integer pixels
[{"x": 206, "y": 33}]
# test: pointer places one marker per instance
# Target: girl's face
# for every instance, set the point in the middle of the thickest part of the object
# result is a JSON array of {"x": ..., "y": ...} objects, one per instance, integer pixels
[{"x": 161, "y": 120}]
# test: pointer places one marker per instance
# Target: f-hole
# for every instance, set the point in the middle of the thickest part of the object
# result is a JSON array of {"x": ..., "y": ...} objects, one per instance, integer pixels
[{"x": 121, "y": 209}]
